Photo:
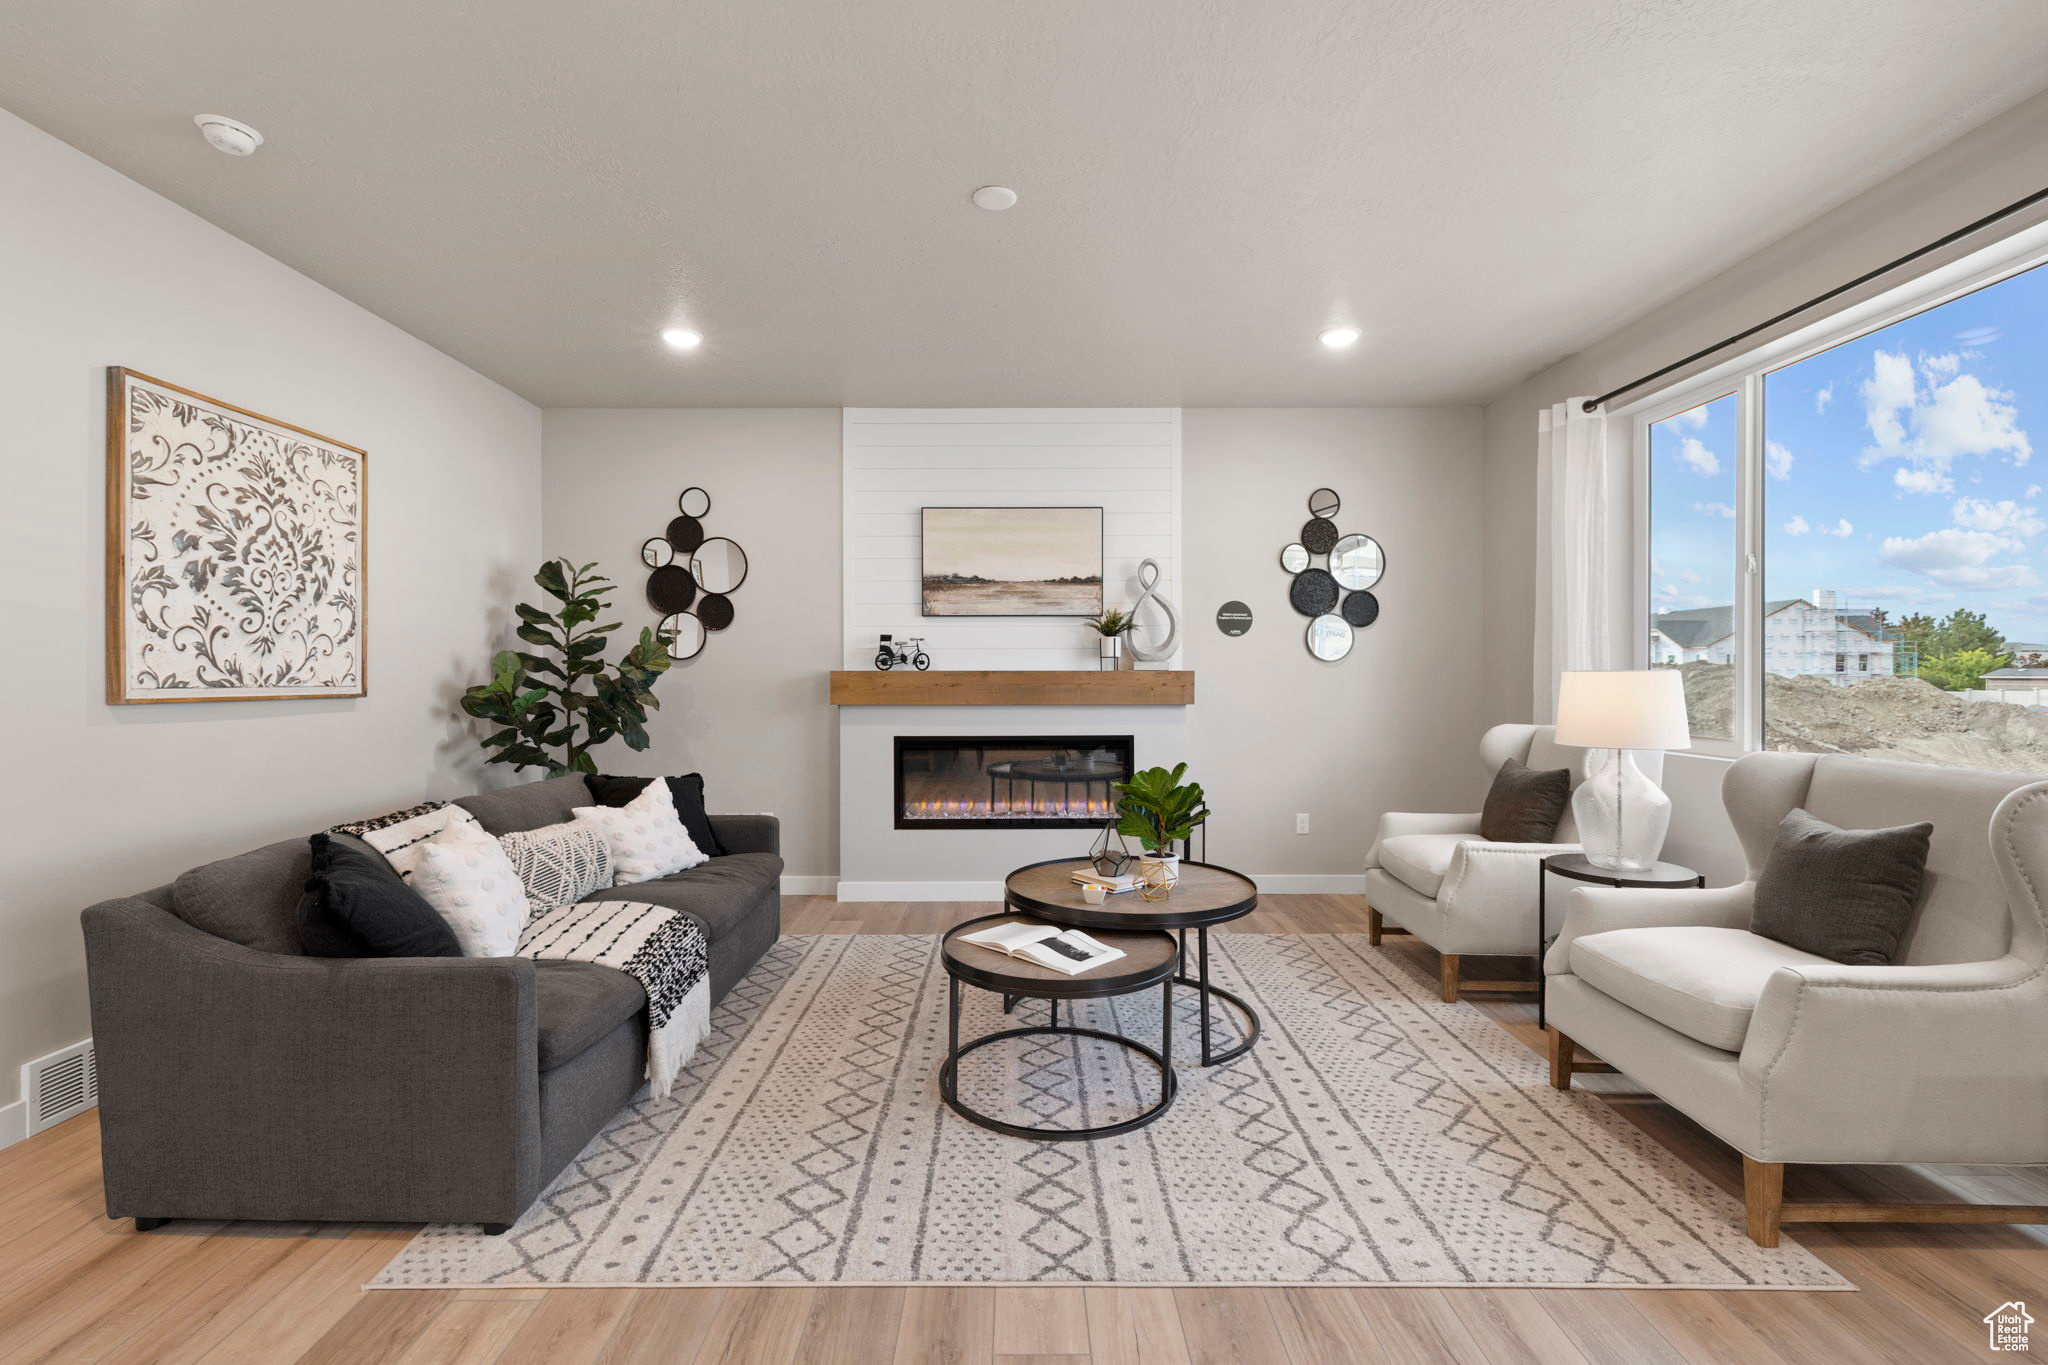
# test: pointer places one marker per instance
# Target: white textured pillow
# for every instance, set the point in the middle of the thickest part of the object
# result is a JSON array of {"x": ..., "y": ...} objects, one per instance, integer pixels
[
  {"x": 646, "y": 836},
  {"x": 465, "y": 875},
  {"x": 559, "y": 864}
]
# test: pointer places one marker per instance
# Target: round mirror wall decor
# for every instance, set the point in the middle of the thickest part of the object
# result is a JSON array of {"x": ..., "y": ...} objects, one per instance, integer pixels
[
  {"x": 1356, "y": 562},
  {"x": 1294, "y": 558},
  {"x": 1324, "y": 503},
  {"x": 1319, "y": 535},
  {"x": 715, "y": 611},
  {"x": 1361, "y": 609},
  {"x": 719, "y": 564},
  {"x": 1329, "y": 638},
  {"x": 670, "y": 589},
  {"x": 684, "y": 634},
  {"x": 686, "y": 534},
  {"x": 1313, "y": 592},
  {"x": 691, "y": 577}
]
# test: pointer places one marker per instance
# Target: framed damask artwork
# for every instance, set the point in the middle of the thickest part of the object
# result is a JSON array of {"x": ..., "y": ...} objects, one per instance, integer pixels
[{"x": 236, "y": 552}]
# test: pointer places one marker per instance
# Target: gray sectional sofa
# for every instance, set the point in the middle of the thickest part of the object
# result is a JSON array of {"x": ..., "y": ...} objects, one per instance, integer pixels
[{"x": 239, "y": 1078}]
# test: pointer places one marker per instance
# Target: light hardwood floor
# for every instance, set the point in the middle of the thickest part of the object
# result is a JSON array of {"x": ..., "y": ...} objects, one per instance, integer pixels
[{"x": 76, "y": 1287}]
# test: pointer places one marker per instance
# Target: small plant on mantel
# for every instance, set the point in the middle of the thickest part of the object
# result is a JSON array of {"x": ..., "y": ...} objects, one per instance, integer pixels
[
  {"x": 1112, "y": 623},
  {"x": 544, "y": 720},
  {"x": 1156, "y": 810}
]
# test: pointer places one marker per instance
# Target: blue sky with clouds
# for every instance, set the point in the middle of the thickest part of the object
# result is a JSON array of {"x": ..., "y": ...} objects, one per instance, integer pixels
[{"x": 1900, "y": 471}]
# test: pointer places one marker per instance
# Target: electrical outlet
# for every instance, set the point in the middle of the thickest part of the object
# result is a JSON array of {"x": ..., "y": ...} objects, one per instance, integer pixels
[{"x": 1301, "y": 823}]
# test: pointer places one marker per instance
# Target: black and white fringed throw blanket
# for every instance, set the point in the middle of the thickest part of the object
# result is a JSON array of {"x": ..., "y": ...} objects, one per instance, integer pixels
[{"x": 664, "y": 950}]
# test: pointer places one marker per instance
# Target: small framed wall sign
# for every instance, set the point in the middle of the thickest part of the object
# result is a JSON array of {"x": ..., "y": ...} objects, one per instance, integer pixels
[{"x": 237, "y": 560}]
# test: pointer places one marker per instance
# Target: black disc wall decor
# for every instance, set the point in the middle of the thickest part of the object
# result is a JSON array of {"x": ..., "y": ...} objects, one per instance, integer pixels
[
  {"x": 1313, "y": 592},
  {"x": 670, "y": 589},
  {"x": 694, "y": 575},
  {"x": 1233, "y": 618},
  {"x": 715, "y": 611},
  {"x": 1361, "y": 608},
  {"x": 1319, "y": 535},
  {"x": 686, "y": 533}
]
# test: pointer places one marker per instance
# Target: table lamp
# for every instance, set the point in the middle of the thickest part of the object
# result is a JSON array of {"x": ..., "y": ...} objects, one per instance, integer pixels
[{"x": 1622, "y": 815}]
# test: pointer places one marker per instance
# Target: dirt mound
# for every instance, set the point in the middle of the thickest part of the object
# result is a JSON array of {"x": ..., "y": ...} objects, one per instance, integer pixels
[{"x": 1896, "y": 718}]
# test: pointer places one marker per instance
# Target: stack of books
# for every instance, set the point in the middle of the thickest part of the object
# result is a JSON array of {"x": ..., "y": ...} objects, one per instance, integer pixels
[{"x": 1114, "y": 885}]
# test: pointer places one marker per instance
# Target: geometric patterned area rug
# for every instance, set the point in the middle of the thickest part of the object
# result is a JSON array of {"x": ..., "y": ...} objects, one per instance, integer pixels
[{"x": 1375, "y": 1135}]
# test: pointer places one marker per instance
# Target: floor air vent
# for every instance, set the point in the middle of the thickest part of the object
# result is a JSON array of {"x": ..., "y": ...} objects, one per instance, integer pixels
[{"x": 61, "y": 1085}]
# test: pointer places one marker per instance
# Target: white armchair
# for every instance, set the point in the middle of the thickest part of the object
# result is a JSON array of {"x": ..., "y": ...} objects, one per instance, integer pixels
[
  {"x": 1789, "y": 1057},
  {"x": 1434, "y": 877}
]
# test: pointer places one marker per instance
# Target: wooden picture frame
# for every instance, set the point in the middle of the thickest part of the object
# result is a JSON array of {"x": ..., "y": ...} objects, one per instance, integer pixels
[{"x": 237, "y": 552}]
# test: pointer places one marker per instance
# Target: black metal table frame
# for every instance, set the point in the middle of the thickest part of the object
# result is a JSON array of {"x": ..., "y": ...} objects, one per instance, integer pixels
[
  {"x": 1082, "y": 919},
  {"x": 1616, "y": 879},
  {"x": 1162, "y": 1057}
]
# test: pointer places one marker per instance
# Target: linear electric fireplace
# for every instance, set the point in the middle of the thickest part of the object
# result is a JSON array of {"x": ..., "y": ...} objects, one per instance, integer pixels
[{"x": 1008, "y": 781}]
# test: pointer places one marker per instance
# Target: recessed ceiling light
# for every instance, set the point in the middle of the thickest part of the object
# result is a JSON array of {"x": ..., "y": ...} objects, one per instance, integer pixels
[
  {"x": 995, "y": 198},
  {"x": 232, "y": 136},
  {"x": 1337, "y": 338},
  {"x": 682, "y": 338}
]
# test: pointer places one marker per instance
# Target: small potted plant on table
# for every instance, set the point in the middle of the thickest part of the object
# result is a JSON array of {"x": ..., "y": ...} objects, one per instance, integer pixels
[
  {"x": 1158, "y": 811},
  {"x": 1111, "y": 627}
]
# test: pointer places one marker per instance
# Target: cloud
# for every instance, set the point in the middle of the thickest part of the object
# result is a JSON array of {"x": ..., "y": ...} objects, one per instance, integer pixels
[
  {"x": 1696, "y": 457},
  {"x": 1689, "y": 576},
  {"x": 1778, "y": 460},
  {"x": 1842, "y": 530},
  {"x": 1823, "y": 398},
  {"x": 1796, "y": 527},
  {"x": 1980, "y": 336},
  {"x": 1691, "y": 417},
  {"x": 1893, "y": 592},
  {"x": 1930, "y": 415},
  {"x": 2033, "y": 490},
  {"x": 1959, "y": 558},
  {"x": 1716, "y": 509},
  {"x": 2005, "y": 517}
]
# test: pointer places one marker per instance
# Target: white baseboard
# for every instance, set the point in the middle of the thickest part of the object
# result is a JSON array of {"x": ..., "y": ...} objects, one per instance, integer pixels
[
  {"x": 1272, "y": 883},
  {"x": 13, "y": 1123},
  {"x": 793, "y": 885}
]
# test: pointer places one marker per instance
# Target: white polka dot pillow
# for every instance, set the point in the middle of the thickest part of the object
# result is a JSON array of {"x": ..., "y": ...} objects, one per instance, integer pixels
[
  {"x": 466, "y": 876},
  {"x": 646, "y": 836}
]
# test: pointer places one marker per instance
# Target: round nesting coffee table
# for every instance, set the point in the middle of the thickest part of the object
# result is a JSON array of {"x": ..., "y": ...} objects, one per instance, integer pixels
[
  {"x": 1149, "y": 959},
  {"x": 1205, "y": 895}
]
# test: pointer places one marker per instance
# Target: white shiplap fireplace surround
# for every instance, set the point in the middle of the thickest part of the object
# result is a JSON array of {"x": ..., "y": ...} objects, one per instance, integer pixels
[{"x": 895, "y": 461}]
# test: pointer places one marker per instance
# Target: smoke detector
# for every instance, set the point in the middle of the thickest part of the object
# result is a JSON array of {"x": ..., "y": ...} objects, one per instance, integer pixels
[
  {"x": 232, "y": 136},
  {"x": 994, "y": 198}
]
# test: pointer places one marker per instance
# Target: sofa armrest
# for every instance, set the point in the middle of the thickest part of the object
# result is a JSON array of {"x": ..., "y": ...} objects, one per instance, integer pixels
[
  {"x": 1912, "y": 1063},
  {"x": 1494, "y": 878},
  {"x": 1396, "y": 822},
  {"x": 236, "y": 1083},
  {"x": 1597, "y": 909},
  {"x": 748, "y": 833}
]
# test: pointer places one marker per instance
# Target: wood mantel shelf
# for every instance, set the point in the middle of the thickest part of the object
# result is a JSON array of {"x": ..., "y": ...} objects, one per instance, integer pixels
[{"x": 1012, "y": 687}]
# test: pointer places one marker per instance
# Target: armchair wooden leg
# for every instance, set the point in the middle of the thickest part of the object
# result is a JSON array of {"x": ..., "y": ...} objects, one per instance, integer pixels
[
  {"x": 1373, "y": 926},
  {"x": 1447, "y": 977},
  {"x": 1763, "y": 1195},
  {"x": 1561, "y": 1050}
]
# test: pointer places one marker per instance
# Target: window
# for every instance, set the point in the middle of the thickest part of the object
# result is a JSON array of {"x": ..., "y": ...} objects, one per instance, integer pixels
[{"x": 1870, "y": 493}]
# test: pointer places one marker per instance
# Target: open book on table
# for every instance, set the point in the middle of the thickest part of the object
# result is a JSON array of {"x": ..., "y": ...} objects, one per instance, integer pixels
[{"x": 1047, "y": 945}]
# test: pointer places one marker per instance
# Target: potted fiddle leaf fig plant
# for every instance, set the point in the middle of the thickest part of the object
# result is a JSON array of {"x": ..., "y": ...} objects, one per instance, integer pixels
[
  {"x": 544, "y": 718},
  {"x": 1111, "y": 627},
  {"x": 1157, "y": 810}
]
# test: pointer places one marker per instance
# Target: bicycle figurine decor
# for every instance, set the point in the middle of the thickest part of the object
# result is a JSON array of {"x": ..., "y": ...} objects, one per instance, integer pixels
[{"x": 892, "y": 651}]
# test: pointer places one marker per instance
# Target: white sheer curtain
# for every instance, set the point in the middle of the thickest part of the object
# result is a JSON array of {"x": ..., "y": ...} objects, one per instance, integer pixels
[{"x": 1583, "y": 588}]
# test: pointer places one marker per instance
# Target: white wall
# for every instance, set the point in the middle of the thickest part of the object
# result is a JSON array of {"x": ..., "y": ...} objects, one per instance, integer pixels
[
  {"x": 1990, "y": 167},
  {"x": 105, "y": 800},
  {"x": 750, "y": 711},
  {"x": 1396, "y": 725},
  {"x": 898, "y": 460}
]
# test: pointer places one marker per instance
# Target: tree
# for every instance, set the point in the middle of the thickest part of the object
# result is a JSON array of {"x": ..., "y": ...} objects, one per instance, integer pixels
[
  {"x": 1917, "y": 630},
  {"x": 534, "y": 697},
  {"x": 1964, "y": 631},
  {"x": 1960, "y": 672}
]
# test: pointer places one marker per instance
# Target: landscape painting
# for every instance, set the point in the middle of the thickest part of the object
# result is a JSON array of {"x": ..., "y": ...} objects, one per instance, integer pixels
[{"x": 1012, "y": 561}]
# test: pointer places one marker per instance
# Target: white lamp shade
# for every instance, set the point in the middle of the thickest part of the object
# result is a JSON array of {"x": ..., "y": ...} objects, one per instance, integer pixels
[{"x": 1623, "y": 709}]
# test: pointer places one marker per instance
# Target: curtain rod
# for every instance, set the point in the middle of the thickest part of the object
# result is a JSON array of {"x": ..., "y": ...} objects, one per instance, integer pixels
[{"x": 1986, "y": 221}]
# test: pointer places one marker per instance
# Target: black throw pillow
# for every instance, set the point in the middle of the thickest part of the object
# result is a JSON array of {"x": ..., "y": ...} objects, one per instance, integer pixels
[
  {"x": 686, "y": 791},
  {"x": 1525, "y": 804},
  {"x": 1842, "y": 894},
  {"x": 356, "y": 905}
]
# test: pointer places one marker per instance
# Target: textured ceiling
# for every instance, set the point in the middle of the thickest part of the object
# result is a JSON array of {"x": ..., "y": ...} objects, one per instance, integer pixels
[{"x": 538, "y": 187}]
